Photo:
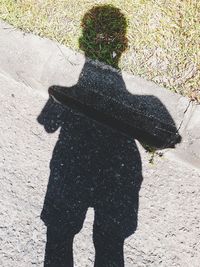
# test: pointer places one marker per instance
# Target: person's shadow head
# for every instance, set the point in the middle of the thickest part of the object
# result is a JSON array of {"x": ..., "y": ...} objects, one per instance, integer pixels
[{"x": 104, "y": 34}]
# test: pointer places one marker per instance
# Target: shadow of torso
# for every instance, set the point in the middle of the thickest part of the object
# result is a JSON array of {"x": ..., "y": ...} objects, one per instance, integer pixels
[
  {"x": 94, "y": 165},
  {"x": 91, "y": 166}
]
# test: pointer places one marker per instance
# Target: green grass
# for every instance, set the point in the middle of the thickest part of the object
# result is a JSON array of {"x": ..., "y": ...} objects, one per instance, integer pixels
[{"x": 163, "y": 36}]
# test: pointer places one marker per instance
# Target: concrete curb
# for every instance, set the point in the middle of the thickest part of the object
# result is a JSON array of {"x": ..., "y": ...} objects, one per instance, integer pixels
[{"x": 40, "y": 63}]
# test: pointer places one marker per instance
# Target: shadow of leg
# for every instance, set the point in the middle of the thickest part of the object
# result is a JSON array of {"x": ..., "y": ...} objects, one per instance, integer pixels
[
  {"x": 59, "y": 248},
  {"x": 109, "y": 249}
]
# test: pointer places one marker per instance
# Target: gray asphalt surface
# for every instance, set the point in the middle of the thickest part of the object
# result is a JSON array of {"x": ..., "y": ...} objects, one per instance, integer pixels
[{"x": 168, "y": 231}]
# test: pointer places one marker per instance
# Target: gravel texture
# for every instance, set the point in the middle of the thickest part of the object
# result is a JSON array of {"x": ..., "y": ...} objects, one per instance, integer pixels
[{"x": 168, "y": 230}]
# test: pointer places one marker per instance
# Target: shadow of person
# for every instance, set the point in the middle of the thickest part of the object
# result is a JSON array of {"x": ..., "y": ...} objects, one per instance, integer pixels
[{"x": 93, "y": 165}]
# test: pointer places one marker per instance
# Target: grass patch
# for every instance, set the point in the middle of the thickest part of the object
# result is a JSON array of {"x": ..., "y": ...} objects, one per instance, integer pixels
[{"x": 163, "y": 35}]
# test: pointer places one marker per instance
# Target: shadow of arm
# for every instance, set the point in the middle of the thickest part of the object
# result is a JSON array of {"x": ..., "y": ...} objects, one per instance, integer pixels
[{"x": 51, "y": 116}]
